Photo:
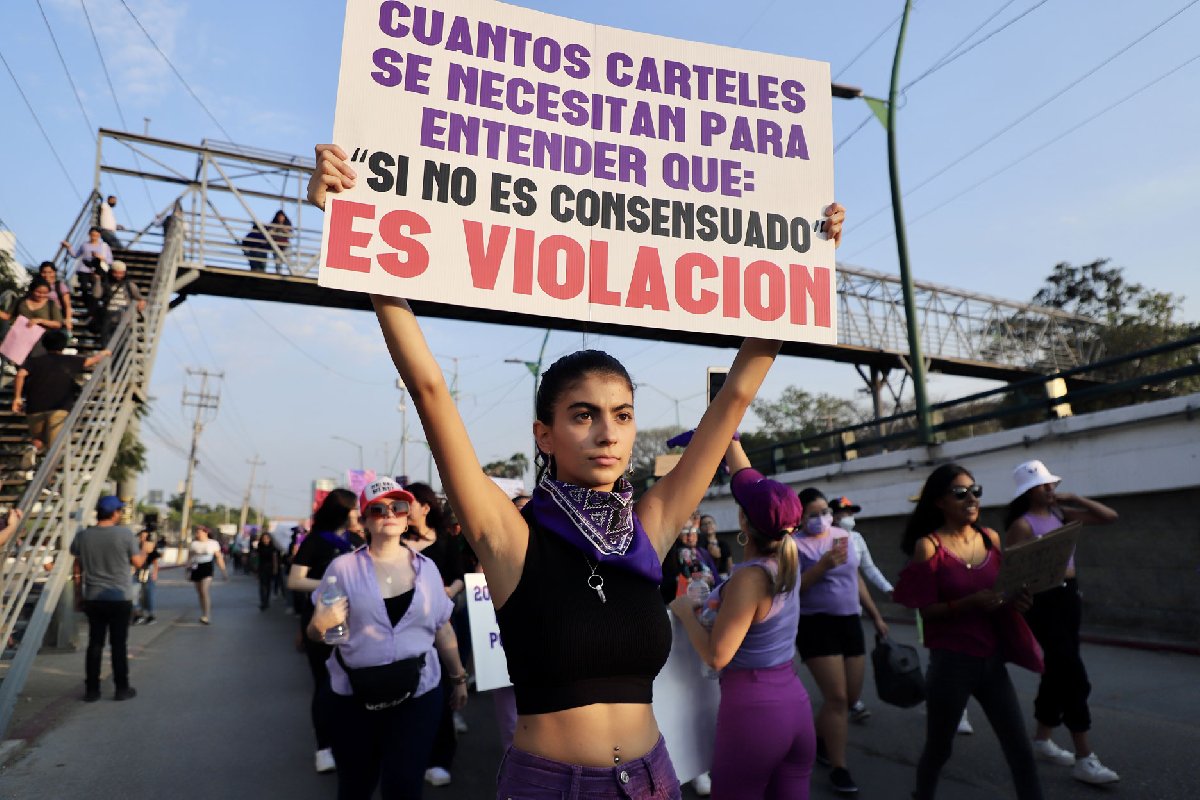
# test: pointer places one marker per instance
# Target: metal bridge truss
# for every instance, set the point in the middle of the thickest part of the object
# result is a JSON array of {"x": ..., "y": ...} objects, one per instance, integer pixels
[{"x": 228, "y": 190}]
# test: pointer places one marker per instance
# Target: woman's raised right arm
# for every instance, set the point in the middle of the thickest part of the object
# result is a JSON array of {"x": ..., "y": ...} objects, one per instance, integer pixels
[{"x": 494, "y": 527}]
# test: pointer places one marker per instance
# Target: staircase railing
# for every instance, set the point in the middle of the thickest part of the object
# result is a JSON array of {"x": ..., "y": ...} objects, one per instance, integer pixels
[{"x": 37, "y": 564}]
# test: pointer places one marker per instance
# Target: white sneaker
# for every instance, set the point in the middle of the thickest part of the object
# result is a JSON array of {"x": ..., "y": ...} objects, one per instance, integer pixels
[
  {"x": 1089, "y": 770},
  {"x": 702, "y": 784},
  {"x": 964, "y": 726},
  {"x": 460, "y": 724},
  {"x": 324, "y": 761},
  {"x": 436, "y": 776},
  {"x": 1048, "y": 751}
]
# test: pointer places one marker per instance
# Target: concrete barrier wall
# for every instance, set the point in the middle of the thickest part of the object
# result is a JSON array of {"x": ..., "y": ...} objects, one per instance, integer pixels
[{"x": 1140, "y": 576}]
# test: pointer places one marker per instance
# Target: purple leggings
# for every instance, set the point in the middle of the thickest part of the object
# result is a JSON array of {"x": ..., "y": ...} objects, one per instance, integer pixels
[
  {"x": 748, "y": 765},
  {"x": 529, "y": 777}
]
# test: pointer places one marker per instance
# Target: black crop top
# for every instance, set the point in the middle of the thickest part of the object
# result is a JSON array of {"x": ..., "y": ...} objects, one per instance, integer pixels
[{"x": 567, "y": 649}]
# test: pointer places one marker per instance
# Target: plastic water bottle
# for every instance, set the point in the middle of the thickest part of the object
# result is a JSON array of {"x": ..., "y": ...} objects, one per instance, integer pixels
[
  {"x": 330, "y": 594},
  {"x": 698, "y": 589}
]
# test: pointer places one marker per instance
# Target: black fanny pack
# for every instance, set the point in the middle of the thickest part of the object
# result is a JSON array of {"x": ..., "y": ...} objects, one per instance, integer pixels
[{"x": 385, "y": 686}]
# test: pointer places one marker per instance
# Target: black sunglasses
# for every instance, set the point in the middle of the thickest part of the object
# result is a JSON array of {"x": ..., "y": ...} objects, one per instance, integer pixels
[
  {"x": 961, "y": 492},
  {"x": 397, "y": 508}
]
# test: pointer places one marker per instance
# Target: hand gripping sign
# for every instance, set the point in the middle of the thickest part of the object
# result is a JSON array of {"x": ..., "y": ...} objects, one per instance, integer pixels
[{"x": 525, "y": 163}]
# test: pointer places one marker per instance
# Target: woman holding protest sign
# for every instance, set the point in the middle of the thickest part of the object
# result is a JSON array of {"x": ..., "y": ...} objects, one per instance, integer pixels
[
  {"x": 386, "y": 672},
  {"x": 753, "y": 641},
  {"x": 1036, "y": 510},
  {"x": 970, "y": 629},
  {"x": 830, "y": 639},
  {"x": 575, "y": 576}
]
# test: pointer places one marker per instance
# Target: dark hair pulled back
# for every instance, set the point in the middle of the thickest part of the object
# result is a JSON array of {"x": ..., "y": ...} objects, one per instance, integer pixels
[
  {"x": 334, "y": 511},
  {"x": 435, "y": 520},
  {"x": 559, "y": 377}
]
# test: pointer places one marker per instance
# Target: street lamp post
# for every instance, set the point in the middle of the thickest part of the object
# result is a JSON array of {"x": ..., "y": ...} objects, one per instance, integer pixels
[
  {"x": 915, "y": 357},
  {"x": 356, "y": 444}
]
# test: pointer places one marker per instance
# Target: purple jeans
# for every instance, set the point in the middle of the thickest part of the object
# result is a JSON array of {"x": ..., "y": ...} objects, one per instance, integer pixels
[
  {"x": 748, "y": 765},
  {"x": 524, "y": 776}
]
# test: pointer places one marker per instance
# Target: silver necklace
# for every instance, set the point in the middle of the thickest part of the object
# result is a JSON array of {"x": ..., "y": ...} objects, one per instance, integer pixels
[{"x": 594, "y": 581}]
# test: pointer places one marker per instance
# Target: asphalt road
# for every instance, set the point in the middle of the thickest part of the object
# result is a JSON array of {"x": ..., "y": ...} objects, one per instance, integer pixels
[{"x": 223, "y": 711}]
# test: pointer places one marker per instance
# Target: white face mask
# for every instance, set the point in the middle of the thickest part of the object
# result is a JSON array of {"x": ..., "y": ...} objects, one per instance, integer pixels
[{"x": 846, "y": 523}]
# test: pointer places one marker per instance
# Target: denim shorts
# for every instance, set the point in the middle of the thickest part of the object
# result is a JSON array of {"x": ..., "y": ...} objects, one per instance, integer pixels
[{"x": 524, "y": 776}]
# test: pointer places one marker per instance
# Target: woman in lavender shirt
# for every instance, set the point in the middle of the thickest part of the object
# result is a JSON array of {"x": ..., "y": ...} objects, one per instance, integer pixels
[
  {"x": 752, "y": 641},
  {"x": 396, "y": 610},
  {"x": 832, "y": 598}
]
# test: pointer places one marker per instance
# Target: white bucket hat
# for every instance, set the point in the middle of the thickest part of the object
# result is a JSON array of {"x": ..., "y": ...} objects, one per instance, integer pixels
[{"x": 1032, "y": 474}]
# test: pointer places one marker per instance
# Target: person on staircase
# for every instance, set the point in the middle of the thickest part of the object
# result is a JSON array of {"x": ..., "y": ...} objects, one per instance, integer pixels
[
  {"x": 94, "y": 255},
  {"x": 108, "y": 223},
  {"x": 45, "y": 391},
  {"x": 113, "y": 297}
]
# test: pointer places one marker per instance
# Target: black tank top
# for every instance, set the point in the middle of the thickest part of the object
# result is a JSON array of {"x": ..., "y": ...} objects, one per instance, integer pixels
[{"x": 568, "y": 649}]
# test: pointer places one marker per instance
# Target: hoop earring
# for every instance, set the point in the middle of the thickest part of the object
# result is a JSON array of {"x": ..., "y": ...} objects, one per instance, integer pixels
[{"x": 743, "y": 539}]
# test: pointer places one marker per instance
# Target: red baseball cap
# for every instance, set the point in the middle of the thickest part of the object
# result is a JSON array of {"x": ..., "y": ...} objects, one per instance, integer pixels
[{"x": 380, "y": 489}]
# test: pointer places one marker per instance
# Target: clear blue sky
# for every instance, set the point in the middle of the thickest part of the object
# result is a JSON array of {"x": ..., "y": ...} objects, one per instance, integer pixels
[{"x": 1120, "y": 186}]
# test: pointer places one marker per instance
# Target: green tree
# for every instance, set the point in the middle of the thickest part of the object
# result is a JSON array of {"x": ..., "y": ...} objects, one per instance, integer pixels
[
  {"x": 1132, "y": 318},
  {"x": 649, "y": 445},
  {"x": 130, "y": 460},
  {"x": 513, "y": 467}
]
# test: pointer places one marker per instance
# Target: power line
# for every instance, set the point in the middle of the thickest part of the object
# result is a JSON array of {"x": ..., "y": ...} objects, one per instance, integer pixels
[
  {"x": 41, "y": 127},
  {"x": 868, "y": 46},
  {"x": 75, "y": 89},
  {"x": 762, "y": 13},
  {"x": 948, "y": 59},
  {"x": 309, "y": 355},
  {"x": 951, "y": 56},
  {"x": 1035, "y": 150},
  {"x": 1069, "y": 86},
  {"x": 113, "y": 91},
  {"x": 178, "y": 74}
]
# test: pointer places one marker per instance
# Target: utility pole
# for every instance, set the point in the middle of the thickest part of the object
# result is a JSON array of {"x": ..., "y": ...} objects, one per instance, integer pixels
[
  {"x": 255, "y": 464},
  {"x": 535, "y": 369},
  {"x": 403, "y": 409},
  {"x": 204, "y": 402},
  {"x": 262, "y": 509}
]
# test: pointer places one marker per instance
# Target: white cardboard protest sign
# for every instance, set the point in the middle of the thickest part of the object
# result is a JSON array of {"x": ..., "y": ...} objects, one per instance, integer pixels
[
  {"x": 1038, "y": 564},
  {"x": 685, "y": 706},
  {"x": 491, "y": 665},
  {"x": 525, "y": 163}
]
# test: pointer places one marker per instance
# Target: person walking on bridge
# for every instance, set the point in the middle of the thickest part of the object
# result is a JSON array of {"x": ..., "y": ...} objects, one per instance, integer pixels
[
  {"x": 1037, "y": 509},
  {"x": 103, "y": 555}
]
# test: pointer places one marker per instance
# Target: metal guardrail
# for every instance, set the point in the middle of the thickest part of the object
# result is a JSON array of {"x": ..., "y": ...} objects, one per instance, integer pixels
[
  {"x": 899, "y": 431},
  {"x": 72, "y": 475}
]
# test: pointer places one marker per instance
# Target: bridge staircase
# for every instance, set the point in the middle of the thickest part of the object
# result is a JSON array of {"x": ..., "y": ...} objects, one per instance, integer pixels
[{"x": 57, "y": 497}]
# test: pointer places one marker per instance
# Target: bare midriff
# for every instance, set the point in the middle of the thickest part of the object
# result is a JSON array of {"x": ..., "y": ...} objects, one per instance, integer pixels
[{"x": 599, "y": 735}]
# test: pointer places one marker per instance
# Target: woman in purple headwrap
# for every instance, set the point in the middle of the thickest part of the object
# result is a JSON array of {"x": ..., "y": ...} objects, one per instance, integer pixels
[{"x": 575, "y": 575}]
